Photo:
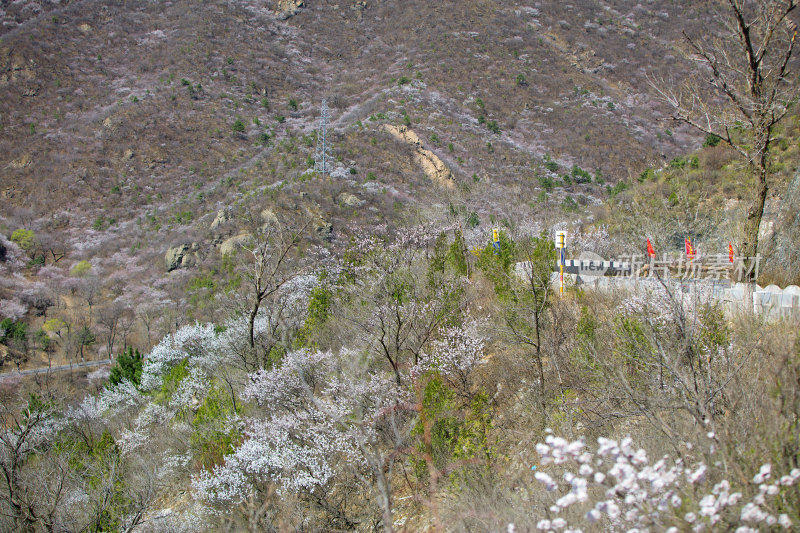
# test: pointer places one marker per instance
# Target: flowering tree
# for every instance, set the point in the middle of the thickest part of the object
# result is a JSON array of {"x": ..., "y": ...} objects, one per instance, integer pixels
[
  {"x": 396, "y": 294},
  {"x": 623, "y": 490},
  {"x": 270, "y": 249},
  {"x": 324, "y": 415}
]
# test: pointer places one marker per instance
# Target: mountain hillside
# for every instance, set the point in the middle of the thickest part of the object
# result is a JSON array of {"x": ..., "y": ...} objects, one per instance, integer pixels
[{"x": 204, "y": 328}]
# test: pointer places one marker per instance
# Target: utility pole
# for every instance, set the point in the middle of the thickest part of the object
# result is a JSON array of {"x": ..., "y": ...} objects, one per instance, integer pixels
[{"x": 321, "y": 156}]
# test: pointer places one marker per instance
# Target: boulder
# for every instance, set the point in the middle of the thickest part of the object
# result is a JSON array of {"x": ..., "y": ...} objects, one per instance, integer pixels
[
  {"x": 268, "y": 216},
  {"x": 181, "y": 256},
  {"x": 231, "y": 245},
  {"x": 287, "y": 8},
  {"x": 223, "y": 216},
  {"x": 349, "y": 200},
  {"x": 325, "y": 230}
]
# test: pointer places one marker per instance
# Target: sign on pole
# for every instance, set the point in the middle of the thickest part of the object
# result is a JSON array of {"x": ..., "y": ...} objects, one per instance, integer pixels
[
  {"x": 561, "y": 239},
  {"x": 496, "y": 240},
  {"x": 561, "y": 245}
]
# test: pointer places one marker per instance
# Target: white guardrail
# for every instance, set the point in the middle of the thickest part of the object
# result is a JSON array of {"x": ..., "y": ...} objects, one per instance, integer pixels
[{"x": 772, "y": 302}]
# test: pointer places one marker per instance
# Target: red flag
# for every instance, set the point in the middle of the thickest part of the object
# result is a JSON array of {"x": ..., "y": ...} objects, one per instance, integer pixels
[
  {"x": 650, "y": 251},
  {"x": 690, "y": 252},
  {"x": 730, "y": 252}
]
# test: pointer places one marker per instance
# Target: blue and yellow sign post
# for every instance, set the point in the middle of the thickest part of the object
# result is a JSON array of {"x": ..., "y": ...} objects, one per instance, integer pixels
[
  {"x": 561, "y": 244},
  {"x": 496, "y": 241}
]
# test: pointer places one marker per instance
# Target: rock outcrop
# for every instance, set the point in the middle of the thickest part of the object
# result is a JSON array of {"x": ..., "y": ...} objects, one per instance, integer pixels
[
  {"x": 287, "y": 8},
  {"x": 15, "y": 68},
  {"x": 324, "y": 229},
  {"x": 433, "y": 167},
  {"x": 229, "y": 246},
  {"x": 349, "y": 200},
  {"x": 181, "y": 256},
  {"x": 223, "y": 216}
]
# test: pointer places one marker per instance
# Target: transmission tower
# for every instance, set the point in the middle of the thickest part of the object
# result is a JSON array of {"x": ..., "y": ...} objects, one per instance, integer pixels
[{"x": 321, "y": 156}]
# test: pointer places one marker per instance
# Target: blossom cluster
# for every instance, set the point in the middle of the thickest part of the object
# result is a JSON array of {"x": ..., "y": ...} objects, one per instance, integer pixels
[
  {"x": 455, "y": 354},
  {"x": 174, "y": 348},
  {"x": 316, "y": 410},
  {"x": 623, "y": 488}
]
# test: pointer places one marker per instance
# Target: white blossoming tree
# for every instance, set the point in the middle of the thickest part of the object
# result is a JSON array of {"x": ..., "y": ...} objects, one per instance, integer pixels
[{"x": 618, "y": 488}]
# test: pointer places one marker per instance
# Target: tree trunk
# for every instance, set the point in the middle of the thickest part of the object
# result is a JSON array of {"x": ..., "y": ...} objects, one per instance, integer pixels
[
  {"x": 252, "y": 321},
  {"x": 752, "y": 225}
]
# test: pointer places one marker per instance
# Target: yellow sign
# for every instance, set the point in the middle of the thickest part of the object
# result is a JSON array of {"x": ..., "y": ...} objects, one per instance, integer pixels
[
  {"x": 561, "y": 239},
  {"x": 495, "y": 235}
]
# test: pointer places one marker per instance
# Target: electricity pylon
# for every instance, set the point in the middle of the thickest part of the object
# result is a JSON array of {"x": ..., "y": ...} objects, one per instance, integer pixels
[{"x": 321, "y": 156}]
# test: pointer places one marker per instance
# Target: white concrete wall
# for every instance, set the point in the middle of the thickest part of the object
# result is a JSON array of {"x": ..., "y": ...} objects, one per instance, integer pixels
[{"x": 772, "y": 302}]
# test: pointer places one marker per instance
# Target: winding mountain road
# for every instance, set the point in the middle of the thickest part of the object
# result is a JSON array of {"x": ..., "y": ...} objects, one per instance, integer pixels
[{"x": 57, "y": 368}]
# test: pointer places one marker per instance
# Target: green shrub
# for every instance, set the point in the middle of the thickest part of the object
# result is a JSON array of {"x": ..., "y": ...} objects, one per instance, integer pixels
[
  {"x": 569, "y": 204},
  {"x": 213, "y": 436},
  {"x": 42, "y": 339},
  {"x": 319, "y": 305},
  {"x": 11, "y": 330},
  {"x": 546, "y": 183},
  {"x": 712, "y": 140},
  {"x": 293, "y": 104},
  {"x": 677, "y": 163},
  {"x": 127, "y": 367},
  {"x": 403, "y": 81},
  {"x": 25, "y": 238},
  {"x": 598, "y": 177},
  {"x": 182, "y": 217},
  {"x": 616, "y": 189},
  {"x": 80, "y": 269},
  {"x": 580, "y": 175},
  {"x": 493, "y": 127},
  {"x": 171, "y": 381},
  {"x": 238, "y": 126}
]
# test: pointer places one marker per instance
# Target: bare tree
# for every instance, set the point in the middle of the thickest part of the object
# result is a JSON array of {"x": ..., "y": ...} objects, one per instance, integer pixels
[
  {"x": 148, "y": 313},
  {"x": 126, "y": 323},
  {"x": 746, "y": 67},
  {"x": 270, "y": 248},
  {"x": 108, "y": 317}
]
